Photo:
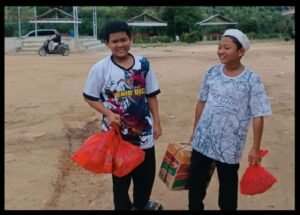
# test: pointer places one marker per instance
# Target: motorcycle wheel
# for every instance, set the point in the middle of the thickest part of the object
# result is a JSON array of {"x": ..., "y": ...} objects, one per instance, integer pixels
[
  {"x": 65, "y": 52},
  {"x": 42, "y": 52}
]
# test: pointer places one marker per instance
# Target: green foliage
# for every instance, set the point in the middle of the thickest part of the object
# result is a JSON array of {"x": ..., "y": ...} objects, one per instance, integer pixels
[
  {"x": 132, "y": 11},
  {"x": 138, "y": 39},
  {"x": 181, "y": 19},
  {"x": 161, "y": 39},
  {"x": 10, "y": 29},
  {"x": 256, "y": 21},
  {"x": 190, "y": 37},
  {"x": 286, "y": 37}
]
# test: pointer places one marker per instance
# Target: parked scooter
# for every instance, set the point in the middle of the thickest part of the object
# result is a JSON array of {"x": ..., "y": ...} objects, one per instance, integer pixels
[{"x": 62, "y": 49}]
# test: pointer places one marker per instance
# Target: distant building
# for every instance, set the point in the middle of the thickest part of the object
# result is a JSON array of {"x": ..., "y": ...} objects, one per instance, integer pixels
[
  {"x": 215, "y": 20},
  {"x": 149, "y": 23}
]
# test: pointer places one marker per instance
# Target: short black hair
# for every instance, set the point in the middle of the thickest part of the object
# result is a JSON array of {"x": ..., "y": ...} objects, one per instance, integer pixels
[
  {"x": 115, "y": 27},
  {"x": 235, "y": 41}
]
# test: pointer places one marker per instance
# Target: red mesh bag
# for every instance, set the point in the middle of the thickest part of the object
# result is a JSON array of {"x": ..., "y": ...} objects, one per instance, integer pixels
[
  {"x": 256, "y": 179},
  {"x": 96, "y": 153},
  {"x": 127, "y": 156}
]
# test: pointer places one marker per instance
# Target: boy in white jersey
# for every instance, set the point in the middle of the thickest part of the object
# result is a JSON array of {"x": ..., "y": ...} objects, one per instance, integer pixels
[
  {"x": 230, "y": 96},
  {"x": 123, "y": 88}
]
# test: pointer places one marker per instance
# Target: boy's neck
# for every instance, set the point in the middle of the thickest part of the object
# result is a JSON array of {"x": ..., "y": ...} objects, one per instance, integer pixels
[
  {"x": 125, "y": 62},
  {"x": 123, "y": 59},
  {"x": 233, "y": 69}
]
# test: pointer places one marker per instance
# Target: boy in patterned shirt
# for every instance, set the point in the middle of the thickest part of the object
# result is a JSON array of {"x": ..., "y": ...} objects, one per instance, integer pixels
[
  {"x": 123, "y": 87},
  {"x": 230, "y": 96}
]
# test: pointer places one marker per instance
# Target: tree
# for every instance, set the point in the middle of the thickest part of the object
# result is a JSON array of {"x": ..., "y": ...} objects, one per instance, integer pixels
[{"x": 260, "y": 20}]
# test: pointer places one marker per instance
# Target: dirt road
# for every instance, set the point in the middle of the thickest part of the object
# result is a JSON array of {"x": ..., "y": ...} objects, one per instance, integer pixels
[{"x": 46, "y": 120}]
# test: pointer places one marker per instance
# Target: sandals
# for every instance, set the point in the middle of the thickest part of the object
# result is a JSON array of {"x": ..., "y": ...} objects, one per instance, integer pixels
[{"x": 151, "y": 206}]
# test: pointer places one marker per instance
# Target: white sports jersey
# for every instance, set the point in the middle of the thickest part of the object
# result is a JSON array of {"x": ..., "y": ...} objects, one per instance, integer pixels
[
  {"x": 124, "y": 91},
  {"x": 231, "y": 102}
]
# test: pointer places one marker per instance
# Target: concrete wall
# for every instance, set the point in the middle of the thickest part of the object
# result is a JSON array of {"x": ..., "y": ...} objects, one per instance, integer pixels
[{"x": 12, "y": 44}]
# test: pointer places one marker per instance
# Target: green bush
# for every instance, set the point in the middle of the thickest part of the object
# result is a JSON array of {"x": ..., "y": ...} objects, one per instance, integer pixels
[
  {"x": 251, "y": 35},
  {"x": 287, "y": 38},
  {"x": 11, "y": 31},
  {"x": 262, "y": 36},
  {"x": 163, "y": 39},
  {"x": 190, "y": 37},
  {"x": 273, "y": 35},
  {"x": 138, "y": 39},
  {"x": 153, "y": 39}
]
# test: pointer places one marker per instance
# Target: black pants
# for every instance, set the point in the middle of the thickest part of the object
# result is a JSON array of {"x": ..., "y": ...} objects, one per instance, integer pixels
[
  {"x": 199, "y": 176},
  {"x": 142, "y": 177}
]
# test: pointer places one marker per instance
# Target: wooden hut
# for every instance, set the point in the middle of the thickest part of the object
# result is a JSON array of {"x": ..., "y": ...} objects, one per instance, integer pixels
[
  {"x": 215, "y": 20},
  {"x": 149, "y": 24}
]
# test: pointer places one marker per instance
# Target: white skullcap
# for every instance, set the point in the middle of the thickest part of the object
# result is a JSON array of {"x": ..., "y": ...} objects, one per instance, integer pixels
[{"x": 240, "y": 36}]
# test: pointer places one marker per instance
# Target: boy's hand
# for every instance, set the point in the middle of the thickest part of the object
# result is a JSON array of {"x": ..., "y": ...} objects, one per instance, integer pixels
[
  {"x": 113, "y": 118},
  {"x": 254, "y": 157},
  {"x": 191, "y": 139},
  {"x": 157, "y": 130}
]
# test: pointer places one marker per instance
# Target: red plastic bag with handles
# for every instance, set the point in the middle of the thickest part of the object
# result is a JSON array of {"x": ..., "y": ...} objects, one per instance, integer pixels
[
  {"x": 96, "y": 153},
  {"x": 127, "y": 156},
  {"x": 108, "y": 153},
  {"x": 256, "y": 179}
]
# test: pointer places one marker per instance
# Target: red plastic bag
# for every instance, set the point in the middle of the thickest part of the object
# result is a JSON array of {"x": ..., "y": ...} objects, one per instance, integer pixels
[
  {"x": 256, "y": 179},
  {"x": 96, "y": 153},
  {"x": 108, "y": 153},
  {"x": 127, "y": 156}
]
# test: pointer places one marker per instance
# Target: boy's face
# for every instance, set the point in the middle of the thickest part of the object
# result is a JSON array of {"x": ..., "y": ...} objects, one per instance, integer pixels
[
  {"x": 119, "y": 43},
  {"x": 228, "y": 51}
]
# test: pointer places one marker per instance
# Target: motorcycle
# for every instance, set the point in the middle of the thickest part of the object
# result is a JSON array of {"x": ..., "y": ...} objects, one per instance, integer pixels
[{"x": 62, "y": 49}]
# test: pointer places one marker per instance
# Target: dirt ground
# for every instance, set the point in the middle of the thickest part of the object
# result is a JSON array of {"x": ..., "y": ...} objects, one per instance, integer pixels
[{"x": 46, "y": 120}]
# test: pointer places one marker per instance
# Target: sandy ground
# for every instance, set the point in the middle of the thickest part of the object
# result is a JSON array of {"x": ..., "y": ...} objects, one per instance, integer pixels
[{"x": 46, "y": 120}]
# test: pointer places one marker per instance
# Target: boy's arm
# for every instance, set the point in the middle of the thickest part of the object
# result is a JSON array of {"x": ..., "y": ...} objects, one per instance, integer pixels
[
  {"x": 198, "y": 111},
  {"x": 153, "y": 106},
  {"x": 254, "y": 154},
  {"x": 98, "y": 106}
]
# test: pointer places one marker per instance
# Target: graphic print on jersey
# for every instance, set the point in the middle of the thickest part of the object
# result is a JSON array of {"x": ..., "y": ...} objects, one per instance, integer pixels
[{"x": 126, "y": 96}]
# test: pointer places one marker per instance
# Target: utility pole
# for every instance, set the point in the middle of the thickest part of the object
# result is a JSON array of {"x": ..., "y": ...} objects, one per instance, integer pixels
[
  {"x": 95, "y": 22},
  {"x": 35, "y": 21},
  {"x": 75, "y": 19},
  {"x": 19, "y": 21}
]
